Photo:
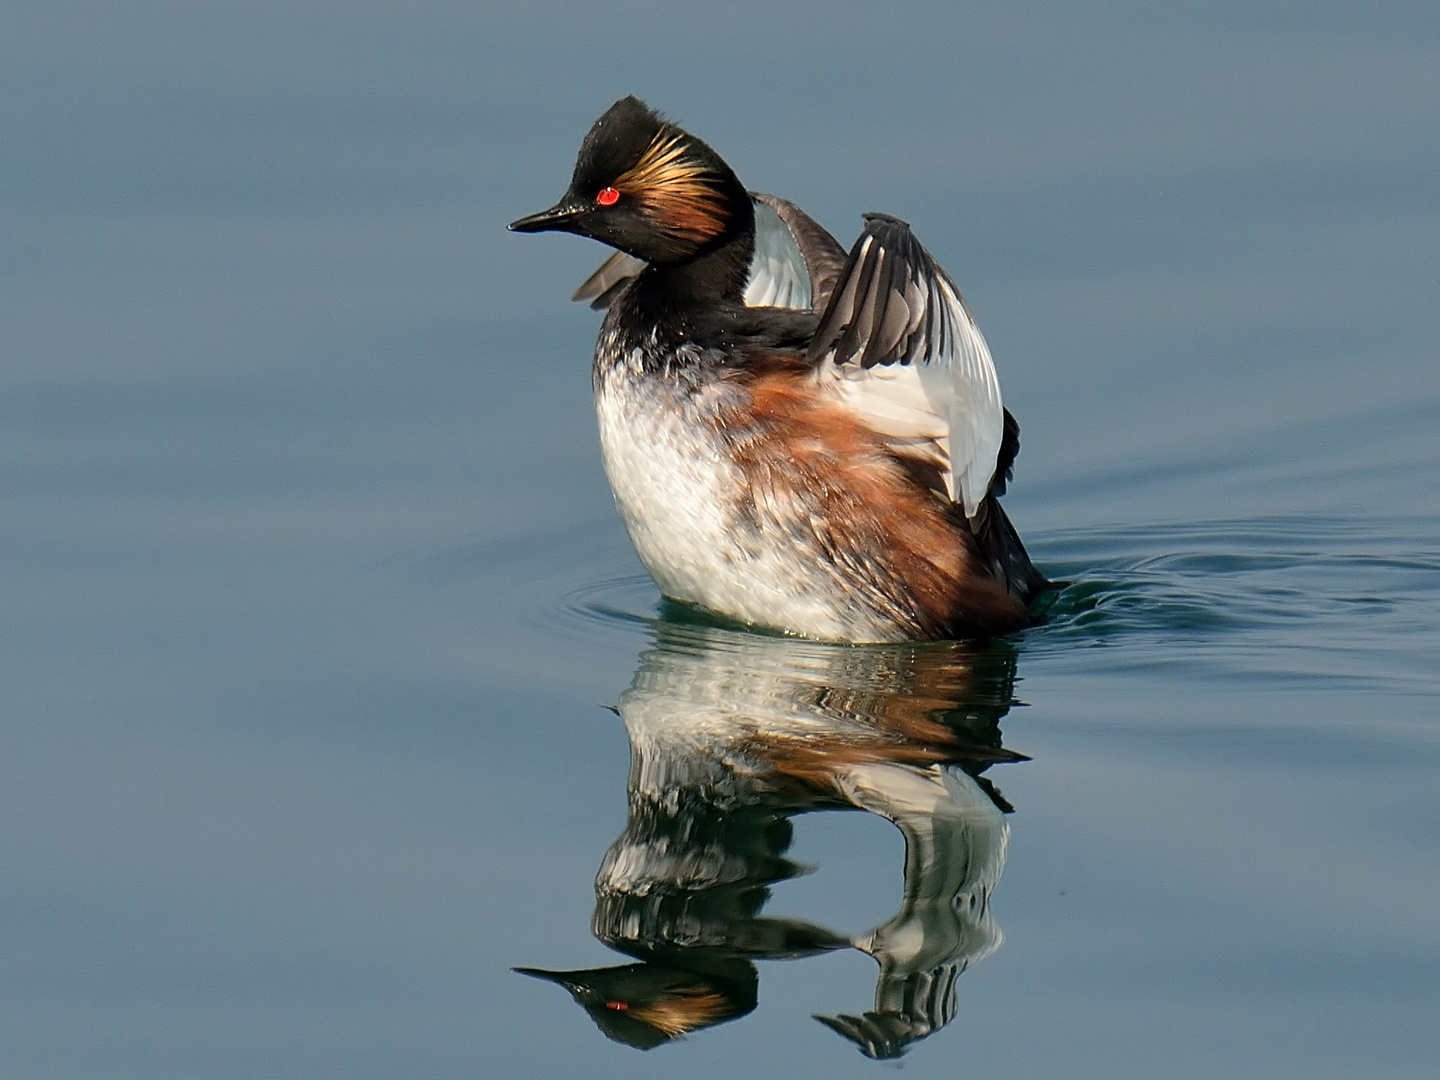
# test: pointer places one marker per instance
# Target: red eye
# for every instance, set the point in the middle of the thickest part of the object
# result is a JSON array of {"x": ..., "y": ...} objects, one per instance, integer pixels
[{"x": 608, "y": 197}]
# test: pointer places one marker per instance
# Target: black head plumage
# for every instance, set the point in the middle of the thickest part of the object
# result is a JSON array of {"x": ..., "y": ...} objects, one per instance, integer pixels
[{"x": 649, "y": 188}]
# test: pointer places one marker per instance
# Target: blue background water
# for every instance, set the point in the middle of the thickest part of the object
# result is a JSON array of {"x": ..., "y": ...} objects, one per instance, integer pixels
[{"x": 313, "y": 589}]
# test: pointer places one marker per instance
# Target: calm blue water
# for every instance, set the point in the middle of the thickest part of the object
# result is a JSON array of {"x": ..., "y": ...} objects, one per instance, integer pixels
[{"x": 315, "y": 608}]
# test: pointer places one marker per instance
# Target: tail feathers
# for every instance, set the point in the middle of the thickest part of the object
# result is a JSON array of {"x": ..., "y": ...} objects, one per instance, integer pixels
[
  {"x": 996, "y": 538},
  {"x": 1004, "y": 554}
]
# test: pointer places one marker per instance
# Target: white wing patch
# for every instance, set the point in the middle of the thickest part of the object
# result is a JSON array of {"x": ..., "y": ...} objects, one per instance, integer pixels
[
  {"x": 976, "y": 415},
  {"x": 905, "y": 354},
  {"x": 778, "y": 274}
]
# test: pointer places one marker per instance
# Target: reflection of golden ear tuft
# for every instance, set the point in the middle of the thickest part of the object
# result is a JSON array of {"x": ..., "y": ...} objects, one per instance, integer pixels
[
  {"x": 676, "y": 190},
  {"x": 680, "y": 1012}
]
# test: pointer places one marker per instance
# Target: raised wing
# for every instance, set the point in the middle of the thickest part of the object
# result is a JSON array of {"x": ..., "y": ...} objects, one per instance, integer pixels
[
  {"x": 905, "y": 353},
  {"x": 778, "y": 274},
  {"x": 809, "y": 253},
  {"x": 795, "y": 265},
  {"x": 605, "y": 284}
]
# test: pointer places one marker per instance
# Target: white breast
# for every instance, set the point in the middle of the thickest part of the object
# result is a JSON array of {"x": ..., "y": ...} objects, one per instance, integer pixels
[{"x": 684, "y": 503}]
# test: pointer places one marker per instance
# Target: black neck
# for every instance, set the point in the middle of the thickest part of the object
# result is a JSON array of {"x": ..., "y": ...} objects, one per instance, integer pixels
[{"x": 670, "y": 296}]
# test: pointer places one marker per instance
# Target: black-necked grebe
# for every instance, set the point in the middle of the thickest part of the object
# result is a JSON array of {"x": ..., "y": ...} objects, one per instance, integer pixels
[{"x": 796, "y": 439}]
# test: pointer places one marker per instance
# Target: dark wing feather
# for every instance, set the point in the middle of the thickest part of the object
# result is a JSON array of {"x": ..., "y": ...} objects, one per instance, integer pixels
[
  {"x": 605, "y": 284},
  {"x": 889, "y": 305}
]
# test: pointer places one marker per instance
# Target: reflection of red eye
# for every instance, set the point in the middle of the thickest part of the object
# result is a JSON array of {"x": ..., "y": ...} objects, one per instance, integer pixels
[
  {"x": 608, "y": 196},
  {"x": 618, "y": 1006}
]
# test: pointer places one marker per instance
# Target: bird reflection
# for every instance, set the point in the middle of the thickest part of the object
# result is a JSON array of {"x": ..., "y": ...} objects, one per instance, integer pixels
[{"x": 731, "y": 735}]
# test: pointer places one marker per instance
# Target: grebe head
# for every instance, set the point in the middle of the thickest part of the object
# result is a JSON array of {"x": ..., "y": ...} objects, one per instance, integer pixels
[
  {"x": 643, "y": 185},
  {"x": 647, "y": 1004}
]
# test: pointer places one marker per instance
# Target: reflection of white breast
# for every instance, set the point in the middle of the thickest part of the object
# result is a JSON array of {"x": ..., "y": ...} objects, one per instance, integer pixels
[{"x": 709, "y": 691}]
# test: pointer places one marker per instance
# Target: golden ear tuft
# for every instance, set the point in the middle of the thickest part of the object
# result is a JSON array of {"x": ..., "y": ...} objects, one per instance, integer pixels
[
  {"x": 683, "y": 1012},
  {"x": 677, "y": 190}
]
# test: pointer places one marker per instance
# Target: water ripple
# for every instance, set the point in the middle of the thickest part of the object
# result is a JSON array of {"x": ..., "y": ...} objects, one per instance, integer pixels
[
  {"x": 1292, "y": 597},
  {"x": 627, "y": 600},
  {"x": 1325, "y": 600}
]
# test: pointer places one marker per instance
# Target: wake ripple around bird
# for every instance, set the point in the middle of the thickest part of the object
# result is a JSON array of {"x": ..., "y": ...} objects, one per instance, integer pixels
[
  {"x": 1317, "y": 599},
  {"x": 1349, "y": 600}
]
